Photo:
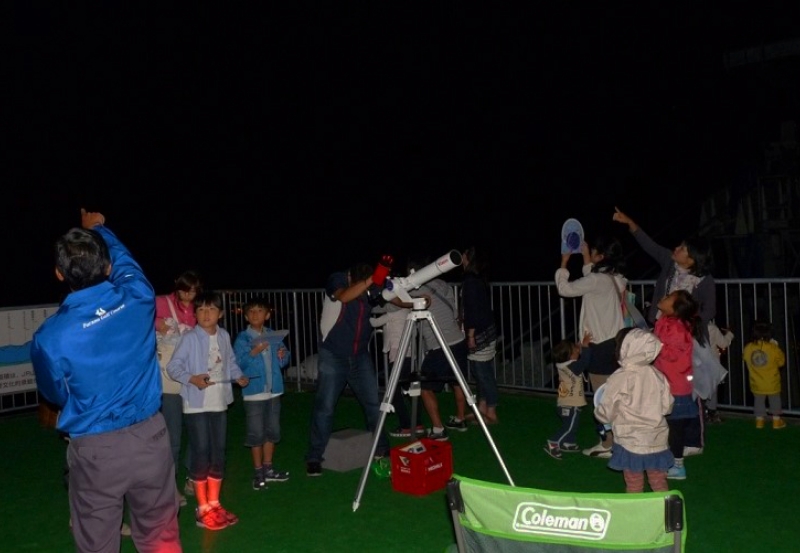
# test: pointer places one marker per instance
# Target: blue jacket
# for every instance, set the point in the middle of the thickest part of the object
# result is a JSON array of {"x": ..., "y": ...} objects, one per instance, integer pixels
[
  {"x": 256, "y": 367},
  {"x": 191, "y": 358},
  {"x": 96, "y": 356}
]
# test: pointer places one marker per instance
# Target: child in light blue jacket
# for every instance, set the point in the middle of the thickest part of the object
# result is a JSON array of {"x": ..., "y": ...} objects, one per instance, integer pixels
[{"x": 205, "y": 365}]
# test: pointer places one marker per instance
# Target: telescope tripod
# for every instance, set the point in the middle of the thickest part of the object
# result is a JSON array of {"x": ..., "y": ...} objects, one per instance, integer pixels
[{"x": 417, "y": 314}]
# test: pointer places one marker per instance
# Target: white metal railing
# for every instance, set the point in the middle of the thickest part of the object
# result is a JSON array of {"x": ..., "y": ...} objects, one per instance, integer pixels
[{"x": 532, "y": 317}]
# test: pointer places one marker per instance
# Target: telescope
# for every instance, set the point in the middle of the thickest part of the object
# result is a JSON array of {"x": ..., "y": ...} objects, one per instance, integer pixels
[{"x": 398, "y": 287}]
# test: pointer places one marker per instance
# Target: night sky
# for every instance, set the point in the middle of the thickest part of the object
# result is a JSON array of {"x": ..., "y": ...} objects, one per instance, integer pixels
[{"x": 266, "y": 148}]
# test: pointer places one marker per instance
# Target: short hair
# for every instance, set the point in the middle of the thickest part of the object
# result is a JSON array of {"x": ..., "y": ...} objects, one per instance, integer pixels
[
  {"x": 762, "y": 331},
  {"x": 562, "y": 351},
  {"x": 257, "y": 301},
  {"x": 209, "y": 297},
  {"x": 82, "y": 258},
  {"x": 360, "y": 271},
  {"x": 188, "y": 280}
]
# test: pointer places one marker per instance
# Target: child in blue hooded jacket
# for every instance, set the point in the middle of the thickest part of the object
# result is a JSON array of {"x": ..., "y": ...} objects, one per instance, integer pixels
[{"x": 262, "y": 355}]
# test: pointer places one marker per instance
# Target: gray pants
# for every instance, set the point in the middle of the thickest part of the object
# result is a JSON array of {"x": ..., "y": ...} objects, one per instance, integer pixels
[
  {"x": 760, "y": 405},
  {"x": 132, "y": 465},
  {"x": 172, "y": 409},
  {"x": 711, "y": 402}
]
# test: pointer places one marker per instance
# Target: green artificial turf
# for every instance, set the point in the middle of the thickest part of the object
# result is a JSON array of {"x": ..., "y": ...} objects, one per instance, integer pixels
[{"x": 738, "y": 493}]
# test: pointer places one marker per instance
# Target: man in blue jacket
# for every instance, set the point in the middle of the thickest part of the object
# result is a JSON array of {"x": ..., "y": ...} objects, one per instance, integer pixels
[{"x": 95, "y": 358}]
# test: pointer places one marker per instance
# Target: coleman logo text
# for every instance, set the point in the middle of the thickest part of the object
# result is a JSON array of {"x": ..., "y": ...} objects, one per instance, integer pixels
[{"x": 550, "y": 520}]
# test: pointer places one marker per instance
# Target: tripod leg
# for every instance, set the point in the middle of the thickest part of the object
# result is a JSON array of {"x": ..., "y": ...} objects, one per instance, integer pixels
[
  {"x": 413, "y": 318},
  {"x": 386, "y": 406},
  {"x": 414, "y": 393},
  {"x": 414, "y": 387},
  {"x": 468, "y": 395}
]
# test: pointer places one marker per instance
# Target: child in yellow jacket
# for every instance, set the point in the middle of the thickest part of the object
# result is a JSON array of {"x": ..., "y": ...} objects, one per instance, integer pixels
[{"x": 764, "y": 359}]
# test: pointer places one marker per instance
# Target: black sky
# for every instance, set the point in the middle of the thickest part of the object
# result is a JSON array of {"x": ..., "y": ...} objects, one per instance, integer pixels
[{"x": 268, "y": 147}]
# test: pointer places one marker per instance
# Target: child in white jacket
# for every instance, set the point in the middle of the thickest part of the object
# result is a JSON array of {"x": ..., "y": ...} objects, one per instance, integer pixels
[{"x": 635, "y": 400}]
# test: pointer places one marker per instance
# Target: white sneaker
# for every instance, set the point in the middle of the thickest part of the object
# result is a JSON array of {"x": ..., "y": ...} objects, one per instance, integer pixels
[
  {"x": 688, "y": 451},
  {"x": 598, "y": 451}
]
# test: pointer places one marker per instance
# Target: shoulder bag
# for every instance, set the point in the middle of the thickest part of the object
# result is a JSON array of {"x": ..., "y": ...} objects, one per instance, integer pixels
[{"x": 631, "y": 315}]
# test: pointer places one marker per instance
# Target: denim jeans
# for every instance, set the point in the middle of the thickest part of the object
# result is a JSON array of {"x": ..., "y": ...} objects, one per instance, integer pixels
[
  {"x": 483, "y": 371},
  {"x": 262, "y": 421},
  {"x": 207, "y": 440},
  {"x": 334, "y": 372}
]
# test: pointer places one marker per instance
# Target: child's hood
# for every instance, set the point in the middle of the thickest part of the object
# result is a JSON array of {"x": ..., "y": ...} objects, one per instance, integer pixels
[{"x": 640, "y": 347}]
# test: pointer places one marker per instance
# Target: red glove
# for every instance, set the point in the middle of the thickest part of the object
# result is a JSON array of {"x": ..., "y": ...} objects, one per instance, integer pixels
[{"x": 382, "y": 270}]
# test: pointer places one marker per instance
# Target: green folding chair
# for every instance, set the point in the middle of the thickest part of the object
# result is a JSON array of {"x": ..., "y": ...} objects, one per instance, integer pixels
[{"x": 499, "y": 518}]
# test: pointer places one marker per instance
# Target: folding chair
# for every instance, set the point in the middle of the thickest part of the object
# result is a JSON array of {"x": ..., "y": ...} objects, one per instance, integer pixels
[{"x": 499, "y": 518}]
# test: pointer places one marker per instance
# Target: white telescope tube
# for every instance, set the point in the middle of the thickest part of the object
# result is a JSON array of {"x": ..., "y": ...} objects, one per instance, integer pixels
[{"x": 399, "y": 286}]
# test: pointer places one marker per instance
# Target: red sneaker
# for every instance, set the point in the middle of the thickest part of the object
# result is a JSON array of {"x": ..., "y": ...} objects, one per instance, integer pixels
[
  {"x": 230, "y": 517},
  {"x": 211, "y": 519}
]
